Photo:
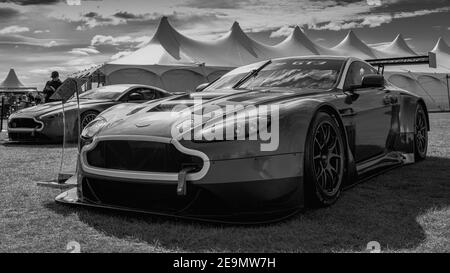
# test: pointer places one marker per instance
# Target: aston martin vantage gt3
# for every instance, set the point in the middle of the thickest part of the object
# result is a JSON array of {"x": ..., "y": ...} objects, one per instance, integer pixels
[
  {"x": 259, "y": 144},
  {"x": 44, "y": 123}
]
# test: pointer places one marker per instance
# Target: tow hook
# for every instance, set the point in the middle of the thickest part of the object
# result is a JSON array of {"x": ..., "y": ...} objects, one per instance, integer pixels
[{"x": 182, "y": 176}]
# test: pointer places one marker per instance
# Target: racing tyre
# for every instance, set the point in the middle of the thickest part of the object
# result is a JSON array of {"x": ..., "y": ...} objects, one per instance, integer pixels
[
  {"x": 421, "y": 134},
  {"x": 324, "y": 162},
  {"x": 87, "y": 117}
]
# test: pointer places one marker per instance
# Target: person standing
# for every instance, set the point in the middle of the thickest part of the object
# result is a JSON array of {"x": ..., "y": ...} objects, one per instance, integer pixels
[{"x": 52, "y": 86}]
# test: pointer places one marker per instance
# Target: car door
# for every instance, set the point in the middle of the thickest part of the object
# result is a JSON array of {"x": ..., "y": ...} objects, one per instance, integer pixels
[{"x": 371, "y": 113}]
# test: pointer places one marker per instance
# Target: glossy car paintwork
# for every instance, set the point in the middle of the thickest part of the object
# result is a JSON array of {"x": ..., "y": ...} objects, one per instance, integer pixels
[
  {"x": 377, "y": 125},
  {"x": 53, "y": 126}
]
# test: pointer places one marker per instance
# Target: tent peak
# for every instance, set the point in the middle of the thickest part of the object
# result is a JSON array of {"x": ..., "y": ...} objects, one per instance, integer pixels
[
  {"x": 236, "y": 26},
  {"x": 297, "y": 32},
  {"x": 11, "y": 80},
  {"x": 164, "y": 24},
  {"x": 352, "y": 44},
  {"x": 441, "y": 46},
  {"x": 299, "y": 35},
  {"x": 299, "y": 43},
  {"x": 399, "y": 46},
  {"x": 399, "y": 37},
  {"x": 167, "y": 37},
  {"x": 352, "y": 39},
  {"x": 351, "y": 34}
]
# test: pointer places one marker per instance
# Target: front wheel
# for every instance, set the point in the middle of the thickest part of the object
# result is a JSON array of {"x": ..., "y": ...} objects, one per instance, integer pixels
[
  {"x": 324, "y": 161},
  {"x": 421, "y": 134}
]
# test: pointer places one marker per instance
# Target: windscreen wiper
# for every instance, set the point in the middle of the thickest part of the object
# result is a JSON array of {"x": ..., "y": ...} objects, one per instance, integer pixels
[{"x": 252, "y": 74}]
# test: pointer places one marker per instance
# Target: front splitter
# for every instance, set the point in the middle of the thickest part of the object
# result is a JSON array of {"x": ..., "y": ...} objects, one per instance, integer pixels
[{"x": 258, "y": 218}]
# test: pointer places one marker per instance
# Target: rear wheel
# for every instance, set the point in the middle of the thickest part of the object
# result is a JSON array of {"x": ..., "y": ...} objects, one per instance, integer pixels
[
  {"x": 324, "y": 162},
  {"x": 421, "y": 134}
]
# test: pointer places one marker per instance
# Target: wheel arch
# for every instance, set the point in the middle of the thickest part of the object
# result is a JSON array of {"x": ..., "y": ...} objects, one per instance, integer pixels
[
  {"x": 350, "y": 174},
  {"x": 425, "y": 108}
]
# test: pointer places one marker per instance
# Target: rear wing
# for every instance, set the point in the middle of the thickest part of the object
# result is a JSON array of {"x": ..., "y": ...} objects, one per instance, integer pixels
[{"x": 429, "y": 59}]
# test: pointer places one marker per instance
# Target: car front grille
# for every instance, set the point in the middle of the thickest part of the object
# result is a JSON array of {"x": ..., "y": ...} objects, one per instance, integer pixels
[
  {"x": 133, "y": 195},
  {"x": 24, "y": 123},
  {"x": 143, "y": 156}
]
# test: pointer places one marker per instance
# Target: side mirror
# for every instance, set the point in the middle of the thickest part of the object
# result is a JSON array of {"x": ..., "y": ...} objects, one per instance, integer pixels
[
  {"x": 135, "y": 97},
  {"x": 373, "y": 81},
  {"x": 201, "y": 87}
]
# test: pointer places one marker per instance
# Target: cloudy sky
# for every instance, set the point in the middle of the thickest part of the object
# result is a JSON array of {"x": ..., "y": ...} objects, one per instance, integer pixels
[{"x": 38, "y": 36}]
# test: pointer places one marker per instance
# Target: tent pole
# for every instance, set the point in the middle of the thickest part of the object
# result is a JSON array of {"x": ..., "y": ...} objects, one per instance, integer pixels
[
  {"x": 2, "y": 113},
  {"x": 448, "y": 92}
]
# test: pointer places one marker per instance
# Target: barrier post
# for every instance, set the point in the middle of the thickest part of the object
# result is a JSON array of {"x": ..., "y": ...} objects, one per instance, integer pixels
[
  {"x": 2, "y": 114},
  {"x": 448, "y": 92}
]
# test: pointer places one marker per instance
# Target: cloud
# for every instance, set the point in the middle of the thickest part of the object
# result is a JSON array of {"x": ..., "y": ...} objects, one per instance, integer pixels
[
  {"x": 284, "y": 31},
  {"x": 375, "y": 20},
  {"x": 184, "y": 19},
  {"x": 8, "y": 13},
  {"x": 38, "y": 31},
  {"x": 379, "y": 44},
  {"x": 128, "y": 16},
  {"x": 84, "y": 51},
  {"x": 91, "y": 15},
  {"x": 420, "y": 12},
  {"x": 120, "y": 54},
  {"x": 120, "y": 41},
  {"x": 31, "y": 2},
  {"x": 51, "y": 44},
  {"x": 376, "y": 3},
  {"x": 18, "y": 39},
  {"x": 13, "y": 30},
  {"x": 217, "y": 4},
  {"x": 337, "y": 25}
]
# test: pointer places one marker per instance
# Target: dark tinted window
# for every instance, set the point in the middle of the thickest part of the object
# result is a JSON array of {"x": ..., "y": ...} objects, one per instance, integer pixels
[
  {"x": 143, "y": 94},
  {"x": 356, "y": 73}
]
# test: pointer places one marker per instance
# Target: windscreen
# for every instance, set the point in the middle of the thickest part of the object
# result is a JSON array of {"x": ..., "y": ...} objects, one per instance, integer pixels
[{"x": 293, "y": 73}]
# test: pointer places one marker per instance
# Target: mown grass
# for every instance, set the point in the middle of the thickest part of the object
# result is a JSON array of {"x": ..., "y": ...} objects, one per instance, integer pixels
[{"x": 406, "y": 210}]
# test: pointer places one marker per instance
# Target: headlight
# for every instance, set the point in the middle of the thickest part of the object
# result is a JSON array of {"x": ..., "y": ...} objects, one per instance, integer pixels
[
  {"x": 50, "y": 116},
  {"x": 93, "y": 128}
]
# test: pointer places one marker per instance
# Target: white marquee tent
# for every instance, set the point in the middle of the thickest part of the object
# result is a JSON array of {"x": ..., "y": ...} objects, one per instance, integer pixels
[
  {"x": 430, "y": 83},
  {"x": 178, "y": 63},
  {"x": 12, "y": 85}
]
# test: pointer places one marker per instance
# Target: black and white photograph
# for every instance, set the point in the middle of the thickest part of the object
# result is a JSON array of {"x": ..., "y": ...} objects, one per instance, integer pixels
[{"x": 237, "y": 131}]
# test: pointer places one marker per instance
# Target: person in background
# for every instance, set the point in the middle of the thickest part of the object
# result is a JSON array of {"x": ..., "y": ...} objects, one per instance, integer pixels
[
  {"x": 52, "y": 86},
  {"x": 31, "y": 99},
  {"x": 38, "y": 98}
]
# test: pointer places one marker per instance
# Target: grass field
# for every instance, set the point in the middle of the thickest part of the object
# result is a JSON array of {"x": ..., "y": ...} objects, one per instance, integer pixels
[{"x": 406, "y": 210}]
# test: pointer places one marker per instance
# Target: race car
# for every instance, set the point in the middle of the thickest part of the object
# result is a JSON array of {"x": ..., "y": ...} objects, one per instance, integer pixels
[
  {"x": 259, "y": 144},
  {"x": 44, "y": 123}
]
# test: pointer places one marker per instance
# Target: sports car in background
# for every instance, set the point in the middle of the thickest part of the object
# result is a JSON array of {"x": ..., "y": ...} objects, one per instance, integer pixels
[
  {"x": 338, "y": 122},
  {"x": 45, "y": 122}
]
